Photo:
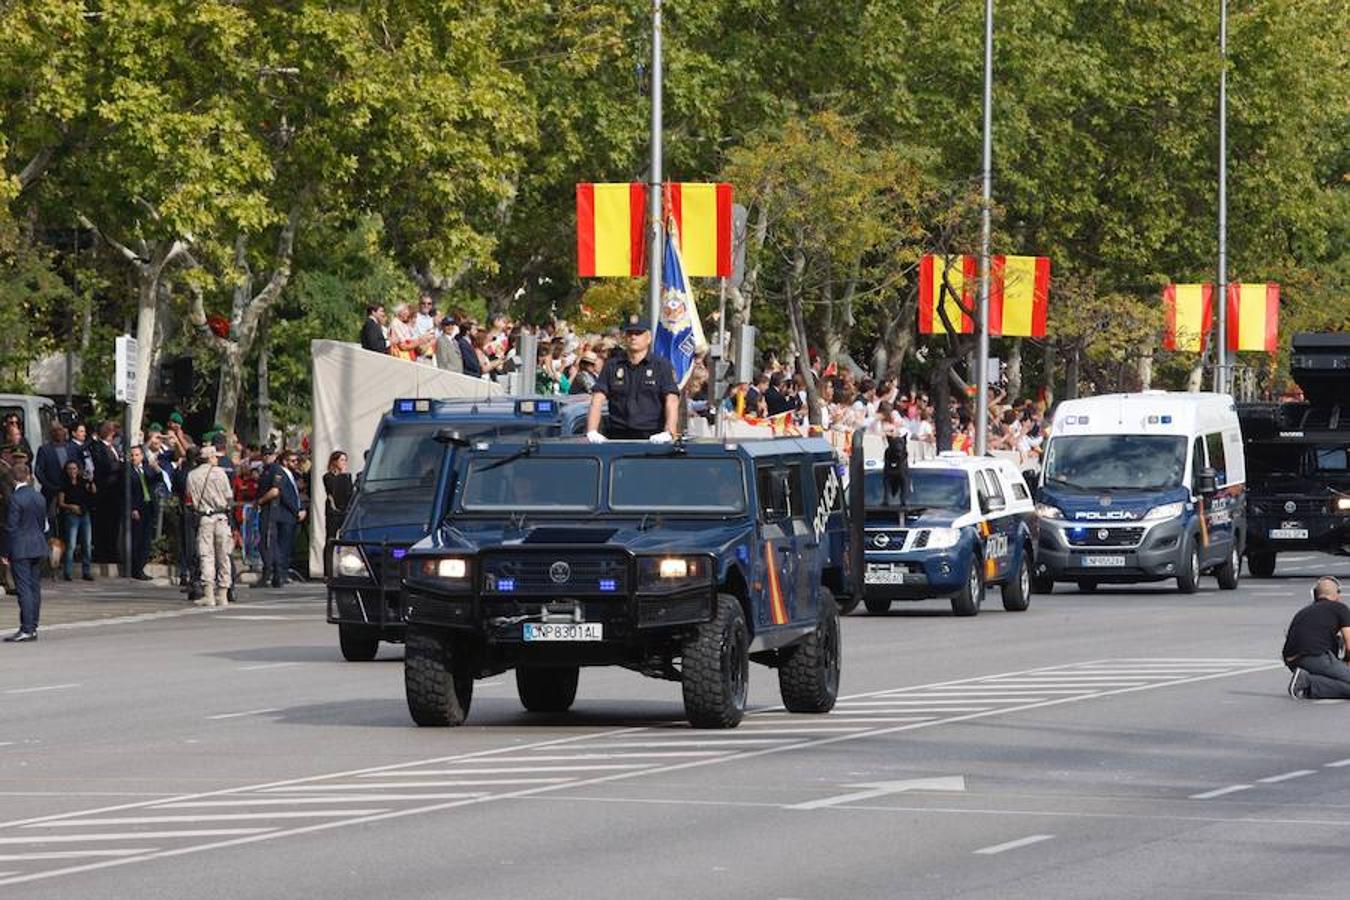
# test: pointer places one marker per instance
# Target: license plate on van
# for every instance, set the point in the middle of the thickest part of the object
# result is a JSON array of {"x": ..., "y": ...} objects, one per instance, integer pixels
[
  {"x": 566, "y": 631},
  {"x": 1104, "y": 562},
  {"x": 1288, "y": 534}
]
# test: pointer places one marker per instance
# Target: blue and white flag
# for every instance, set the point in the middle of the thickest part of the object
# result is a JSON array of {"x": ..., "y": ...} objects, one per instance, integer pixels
[{"x": 679, "y": 333}]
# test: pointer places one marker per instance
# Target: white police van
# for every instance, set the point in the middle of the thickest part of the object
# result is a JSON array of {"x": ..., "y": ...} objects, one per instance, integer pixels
[
  {"x": 1142, "y": 487},
  {"x": 963, "y": 524}
]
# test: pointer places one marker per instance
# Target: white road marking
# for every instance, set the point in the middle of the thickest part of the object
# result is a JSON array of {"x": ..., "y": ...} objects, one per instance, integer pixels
[
  {"x": 865, "y": 720},
  {"x": 1330, "y": 700},
  {"x": 842, "y": 728},
  {"x": 275, "y": 665},
  {"x": 885, "y": 788},
  {"x": 45, "y": 687},
  {"x": 231, "y": 617},
  {"x": 293, "y": 801},
  {"x": 1013, "y": 845},
  {"x": 1231, "y": 789},
  {"x": 1287, "y": 776},
  {"x": 247, "y": 712},
  {"x": 1228, "y": 668},
  {"x": 1338, "y": 764},
  {"x": 128, "y": 836},
  {"x": 412, "y": 784},
  {"x": 211, "y": 817},
  {"x": 509, "y": 770},
  {"x": 75, "y": 854},
  {"x": 645, "y": 754}
]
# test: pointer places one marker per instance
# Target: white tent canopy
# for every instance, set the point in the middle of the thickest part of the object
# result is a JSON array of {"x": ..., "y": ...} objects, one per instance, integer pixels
[{"x": 353, "y": 389}]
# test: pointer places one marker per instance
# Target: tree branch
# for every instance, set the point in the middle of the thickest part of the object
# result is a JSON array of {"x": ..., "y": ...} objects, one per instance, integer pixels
[
  {"x": 36, "y": 166},
  {"x": 127, "y": 253}
]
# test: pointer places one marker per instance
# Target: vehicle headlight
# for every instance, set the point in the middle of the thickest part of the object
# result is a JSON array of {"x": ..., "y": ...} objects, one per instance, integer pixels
[
  {"x": 452, "y": 568},
  {"x": 943, "y": 538},
  {"x": 1341, "y": 504},
  {"x": 349, "y": 563},
  {"x": 1166, "y": 511},
  {"x": 672, "y": 572},
  {"x": 1046, "y": 511}
]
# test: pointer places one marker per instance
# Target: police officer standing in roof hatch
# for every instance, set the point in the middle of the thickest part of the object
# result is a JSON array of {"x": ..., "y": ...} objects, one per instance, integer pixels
[{"x": 641, "y": 391}]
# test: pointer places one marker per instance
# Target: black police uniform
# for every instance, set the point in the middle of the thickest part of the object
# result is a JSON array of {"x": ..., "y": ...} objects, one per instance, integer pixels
[{"x": 636, "y": 393}]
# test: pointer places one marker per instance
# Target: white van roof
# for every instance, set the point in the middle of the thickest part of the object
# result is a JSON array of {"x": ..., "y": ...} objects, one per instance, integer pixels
[{"x": 1147, "y": 412}]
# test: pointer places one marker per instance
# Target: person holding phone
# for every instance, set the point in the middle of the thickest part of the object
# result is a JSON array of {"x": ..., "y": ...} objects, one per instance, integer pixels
[{"x": 74, "y": 501}]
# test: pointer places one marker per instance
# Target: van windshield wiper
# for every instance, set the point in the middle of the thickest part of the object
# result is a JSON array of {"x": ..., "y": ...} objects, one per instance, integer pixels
[{"x": 530, "y": 447}]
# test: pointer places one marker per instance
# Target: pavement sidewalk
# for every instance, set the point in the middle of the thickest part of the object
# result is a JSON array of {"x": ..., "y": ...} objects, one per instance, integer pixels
[{"x": 111, "y": 597}]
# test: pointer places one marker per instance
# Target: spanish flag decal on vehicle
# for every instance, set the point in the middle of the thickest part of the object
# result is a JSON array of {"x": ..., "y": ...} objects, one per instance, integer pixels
[{"x": 777, "y": 609}]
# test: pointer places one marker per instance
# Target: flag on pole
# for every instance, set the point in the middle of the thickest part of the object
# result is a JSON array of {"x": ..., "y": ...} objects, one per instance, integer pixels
[
  {"x": 612, "y": 222},
  {"x": 610, "y": 227},
  {"x": 702, "y": 214},
  {"x": 1253, "y": 316},
  {"x": 1019, "y": 295},
  {"x": 1188, "y": 309},
  {"x": 679, "y": 334},
  {"x": 963, "y": 278}
]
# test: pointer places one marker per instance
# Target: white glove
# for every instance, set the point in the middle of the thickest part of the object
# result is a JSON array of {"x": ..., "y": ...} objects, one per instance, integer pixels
[
  {"x": 661, "y": 437},
  {"x": 596, "y": 437}
]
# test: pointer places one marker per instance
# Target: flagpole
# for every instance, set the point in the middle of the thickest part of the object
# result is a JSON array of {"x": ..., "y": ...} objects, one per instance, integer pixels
[
  {"x": 1221, "y": 346},
  {"x": 655, "y": 226},
  {"x": 986, "y": 199}
]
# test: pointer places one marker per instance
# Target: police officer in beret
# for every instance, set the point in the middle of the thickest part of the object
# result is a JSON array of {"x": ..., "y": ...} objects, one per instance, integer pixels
[{"x": 641, "y": 390}]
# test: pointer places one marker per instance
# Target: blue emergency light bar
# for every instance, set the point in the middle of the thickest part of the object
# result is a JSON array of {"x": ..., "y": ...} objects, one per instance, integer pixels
[
  {"x": 404, "y": 407},
  {"x": 609, "y": 584},
  {"x": 536, "y": 407},
  {"x": 506, "y": 584}
]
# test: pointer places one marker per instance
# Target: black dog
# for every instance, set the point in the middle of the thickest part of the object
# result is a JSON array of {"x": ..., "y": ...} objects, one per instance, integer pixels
[{"x": 896, "y": 468}]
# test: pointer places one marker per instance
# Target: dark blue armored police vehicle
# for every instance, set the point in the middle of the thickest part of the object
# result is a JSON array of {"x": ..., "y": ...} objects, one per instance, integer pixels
[
  {"x": 953, "y": 527},
  {"x": 685, "y": 561},
  {"x": 396, "y": 502}
]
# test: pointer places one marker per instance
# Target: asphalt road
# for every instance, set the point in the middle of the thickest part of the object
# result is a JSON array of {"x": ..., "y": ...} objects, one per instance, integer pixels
[{"x": 1130, "y": 743}]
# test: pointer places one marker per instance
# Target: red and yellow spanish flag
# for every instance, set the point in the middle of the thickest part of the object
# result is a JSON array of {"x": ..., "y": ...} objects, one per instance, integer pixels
[
  {"x": 1019, "y": 295},
  {"x": 1253, "y": 316},
  {"x": 612, "y": 221},
  {"x": 962, "y": 277},
  {"x": 1188, "y": 308},
  {"x": 702, "y": 214}
]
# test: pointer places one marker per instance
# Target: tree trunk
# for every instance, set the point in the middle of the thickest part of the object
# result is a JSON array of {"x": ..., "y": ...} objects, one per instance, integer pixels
[
  {"x": 1071, "y": 373},
  {"x": 1144, "y": 368},
  {"x": 264, "y": 385},
  {"x": 147, "y": 304},
  {"x": 798, "y": 325},
  {"x": 1015, "y": 370},
  {"x": 1049, "y": 365},
  {"x": 942, "y": 395}
]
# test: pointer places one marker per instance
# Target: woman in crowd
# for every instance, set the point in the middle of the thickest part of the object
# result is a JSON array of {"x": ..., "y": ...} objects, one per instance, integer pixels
[
  {"x": 337, "y": 488},
  {"x": 404, "y": 342},
  {"x": 73, "y": 502}
]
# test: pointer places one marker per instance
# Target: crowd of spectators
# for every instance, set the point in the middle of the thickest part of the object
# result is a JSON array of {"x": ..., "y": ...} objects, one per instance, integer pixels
[
  {"x": 570, "y": 359},
  {"x": 81, "y": 476}
]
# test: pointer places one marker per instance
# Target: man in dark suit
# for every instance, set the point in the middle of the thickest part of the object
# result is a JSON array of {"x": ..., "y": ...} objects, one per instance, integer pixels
[
  {"x": 50, "y": 465},
  {"x": 107, "y": 456},
  {"x": 24, "y": 548},
  {"x": 372, "y": 331},
  {"x": 143, "y": 502},
  {"x": 266, "y": 502},
  {"x": 288, "y": 512}
]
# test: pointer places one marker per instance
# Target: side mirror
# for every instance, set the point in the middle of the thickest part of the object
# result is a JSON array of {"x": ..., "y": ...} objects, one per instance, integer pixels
[{"x": 1207, "y": 482}]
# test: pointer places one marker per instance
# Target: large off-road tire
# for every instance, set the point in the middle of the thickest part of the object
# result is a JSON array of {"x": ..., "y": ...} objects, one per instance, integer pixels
[
  {"x": 877, "y": 606},
  {"x": 438, "y": 684},
  {"x": 716, "y": 668},
  {"x": 547, "y": 689},
  {"x": 808, "y": 673},
  {"x": 968, "y": 600},
  {"x": 1261, "y": 565},
  {"x": 1188, "y": 579},
  {"x": 1016, "y": 590},
  {"x": 1229, "y": 573},
  {"x": 358, "y": 644}
]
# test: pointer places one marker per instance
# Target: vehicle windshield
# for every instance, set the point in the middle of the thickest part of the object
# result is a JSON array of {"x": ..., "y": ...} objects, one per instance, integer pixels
[
  {"x": 1331, "y": 461},
  {"x": 1271, "y": 462},
  {"x": 677, "y": 484},
  {"x": 929, "y": 488},
  {"x": 404, "y": 456},
  {"x": 1103, "y": 462},
  {"x": 531, "y": 483}
]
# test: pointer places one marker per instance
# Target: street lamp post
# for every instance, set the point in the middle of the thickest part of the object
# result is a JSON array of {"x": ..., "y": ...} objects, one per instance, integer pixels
[
  {"x": 1221, "y": 344},
  {"x": 986, "y": 195},
  {"x": 655, "y": 226}
]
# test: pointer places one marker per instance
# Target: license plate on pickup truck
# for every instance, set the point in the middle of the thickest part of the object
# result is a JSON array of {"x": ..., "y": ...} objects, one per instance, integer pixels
[
  {"x": 1288, "y": 534},
  {"x": 568, "y": 631},
  {"x": 1104, "y": 562},
  {"x": 884, "y": 573}
]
